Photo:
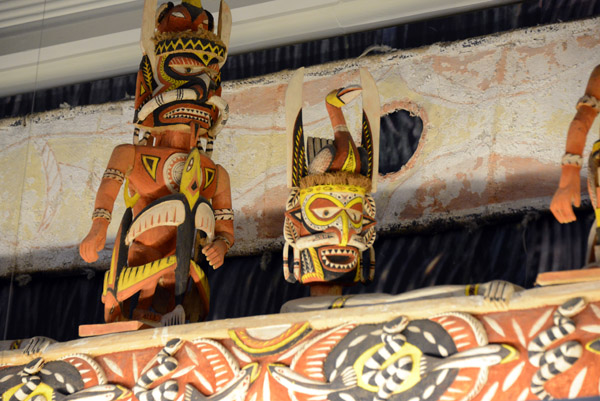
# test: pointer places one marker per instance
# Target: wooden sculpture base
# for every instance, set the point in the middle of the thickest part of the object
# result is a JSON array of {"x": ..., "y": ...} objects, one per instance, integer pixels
[
  {"x": 88, "y": 330},
  {"x": 543, "y": 343},
  {"x": 568, "y": 276}
]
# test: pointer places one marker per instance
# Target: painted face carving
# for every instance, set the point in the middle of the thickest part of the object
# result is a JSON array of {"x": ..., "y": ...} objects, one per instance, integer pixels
[
  {"x": 175, "y": 85},
  {"x": 332, "y": 226}
]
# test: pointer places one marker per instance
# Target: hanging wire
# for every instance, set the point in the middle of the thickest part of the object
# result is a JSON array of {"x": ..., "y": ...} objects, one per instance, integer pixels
[{"x": 35, "y": 87}]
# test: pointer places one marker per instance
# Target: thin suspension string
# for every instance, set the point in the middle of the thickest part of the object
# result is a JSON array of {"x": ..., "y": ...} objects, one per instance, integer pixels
[{"x": 12, "y": 273}]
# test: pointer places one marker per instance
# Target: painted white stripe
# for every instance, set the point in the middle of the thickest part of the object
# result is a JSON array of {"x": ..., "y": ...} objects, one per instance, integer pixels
[
  {"x": 494, "y": 325},
  {"x": 523, "y": 395},
  {"x": 113, "y": 366},
  {"x": 591, "y": 328},
  {"x": 183, "y": 372},
  {"x": 519, "y": 333},
  {"x": 204, "y": 382},
  {"x": 455, "y": 329},
  {"x": 512, "y": 377},
  {"x": 491, "y": 392},
  {"x": 577, "y": 383},
  {"x": 539, "y": 323},
  {"x": 266, "y": 389}
]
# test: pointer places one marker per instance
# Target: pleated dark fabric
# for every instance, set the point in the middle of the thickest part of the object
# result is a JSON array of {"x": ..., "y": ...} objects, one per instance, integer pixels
[
  {"x": 514, "y": 248},
  {"x": 456, "y": 27}
]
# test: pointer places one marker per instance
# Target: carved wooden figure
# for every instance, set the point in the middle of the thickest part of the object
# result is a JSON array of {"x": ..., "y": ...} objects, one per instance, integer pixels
[
  {"x": 569, "y": 189},
  {"x": 172, "y": 187},
  {"x": 330, "y": 214}
]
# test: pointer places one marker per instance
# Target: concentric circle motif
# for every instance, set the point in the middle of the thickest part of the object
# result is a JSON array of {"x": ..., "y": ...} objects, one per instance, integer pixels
[{"x": 172, "y": 170}]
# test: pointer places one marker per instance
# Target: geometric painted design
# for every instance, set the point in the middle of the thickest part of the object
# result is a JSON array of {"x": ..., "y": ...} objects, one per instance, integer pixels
[{"x": 150, "y": 164}]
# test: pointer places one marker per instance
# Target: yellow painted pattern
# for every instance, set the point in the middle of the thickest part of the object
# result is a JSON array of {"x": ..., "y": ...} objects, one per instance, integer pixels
[
  {"x": 588, "y": 346},
  {"x": 209, "y": 173},
  {"x": 317, "y": 264},
  {"x": 130, "y": 201},
  {"x": 280, "y": 341},
  {"x": 406, "y": 350},
  {"x": 203, "y": 48},
  {"x": 43, "y": 389},
  {"x": 331, "y": 188},
  {"x": 151, "y": 165},
  {"x": 350, "y": 163},
  {"x": 131, "y": 276},
  {"x": 191, "y": 172},
  {"x": 340, "y": 302},
  {"x": 202, "y": 279}
]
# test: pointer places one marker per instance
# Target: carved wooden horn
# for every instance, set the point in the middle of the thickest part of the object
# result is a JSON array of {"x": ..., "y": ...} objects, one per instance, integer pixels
[
  {"x": 296, "y": 155},
  {"x": 370, "y": 125},
  {"x": 148, "y": 26},
  {"x": 224, "y": 28}
]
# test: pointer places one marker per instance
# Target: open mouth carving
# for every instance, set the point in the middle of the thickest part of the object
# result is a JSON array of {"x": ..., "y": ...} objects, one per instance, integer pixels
[
  {"x": 189, "y": 113},
  {"x": 339, "y": 258}
]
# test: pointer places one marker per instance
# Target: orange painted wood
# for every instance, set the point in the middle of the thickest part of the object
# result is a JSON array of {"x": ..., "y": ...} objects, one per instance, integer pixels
[
  {"x": 88, "y": 330},
  {"x": 568, "y": 276}
]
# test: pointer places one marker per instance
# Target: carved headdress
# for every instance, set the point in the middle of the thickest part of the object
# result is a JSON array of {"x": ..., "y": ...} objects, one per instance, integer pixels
[
  {"x": 330, "y": 215},
  {"x": 179, "y": 80}
]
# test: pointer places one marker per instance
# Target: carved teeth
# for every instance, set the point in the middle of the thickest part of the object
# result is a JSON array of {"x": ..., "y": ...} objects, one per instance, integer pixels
[
  {"x": 349, "y": 253},
  {"x": 184, "y": 112}
]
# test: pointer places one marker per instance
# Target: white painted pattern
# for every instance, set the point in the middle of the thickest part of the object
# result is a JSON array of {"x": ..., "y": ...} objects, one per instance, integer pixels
[
  {"x": 134, "y": 368},
  {"x": 512, "y": 377},
  {"x": 183, "y": 372},
  {"x": 539, "y": 323},
  {"x": 267, "y": 389},
  {"x": 489, "y": 395},
  {"x": 519, "y": 333},
  {"x": 240, "y": 355},
  {"x": 577, "y": 383},
  {"x": 428, "y": 391},
  {"x": 191, "y": 354},
  {"x": 204, "y": 382},
  {"x": 441, "y": 377},
  {"x": 523, "y": 395},
  {"x": 594, "y": 328},
  {"x": 113, "y": 366},
  {"x": 494, "y": 325}
]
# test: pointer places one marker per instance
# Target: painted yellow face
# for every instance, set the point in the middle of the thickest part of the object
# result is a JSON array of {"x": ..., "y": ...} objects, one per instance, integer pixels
[
  {"x": 336, "y": 209},
  {"x": 329, "y": 221}
]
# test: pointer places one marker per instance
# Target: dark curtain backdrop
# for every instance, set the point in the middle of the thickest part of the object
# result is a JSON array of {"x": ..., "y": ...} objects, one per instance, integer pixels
[{"x": 514, "y": 247}]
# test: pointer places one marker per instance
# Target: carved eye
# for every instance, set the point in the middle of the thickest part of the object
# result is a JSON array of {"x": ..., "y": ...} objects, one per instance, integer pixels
[
  {"x": 325, "y": 213},
  {"x": 178, "y": 14},
  {"x": 188, "y": 69},
  {"x": 354, "y": 215},
  {"x": 190, "y": 164}
]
